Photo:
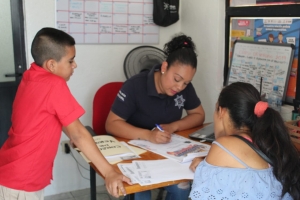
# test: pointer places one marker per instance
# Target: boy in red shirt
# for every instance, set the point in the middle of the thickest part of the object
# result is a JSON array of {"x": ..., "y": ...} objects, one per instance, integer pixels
[{"x": 43, "y": 106}]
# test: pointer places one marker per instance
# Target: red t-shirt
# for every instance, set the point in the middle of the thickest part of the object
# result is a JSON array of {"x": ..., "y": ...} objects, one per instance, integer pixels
[{"x": 43, "y": 104}]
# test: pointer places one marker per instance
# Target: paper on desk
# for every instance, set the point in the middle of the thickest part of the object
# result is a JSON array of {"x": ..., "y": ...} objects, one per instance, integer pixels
[
  {"x": 156, "y": 171},
  {"x": 180, "y": 148},
  {"x": 118, "y": 158},
  {"x": 113, "y": 160}
]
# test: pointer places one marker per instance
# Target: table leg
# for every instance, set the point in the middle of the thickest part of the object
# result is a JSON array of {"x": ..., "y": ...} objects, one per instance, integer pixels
[{"x": 93, "y": 183}]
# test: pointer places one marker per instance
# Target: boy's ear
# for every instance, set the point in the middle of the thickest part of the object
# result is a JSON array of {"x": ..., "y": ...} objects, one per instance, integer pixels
[{"x": 49, "y": 65}]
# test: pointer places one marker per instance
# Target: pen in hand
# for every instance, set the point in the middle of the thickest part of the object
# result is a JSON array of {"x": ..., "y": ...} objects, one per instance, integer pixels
[
  {"x": 163, "y": 137},
  {"x": 159, "y": 128}
]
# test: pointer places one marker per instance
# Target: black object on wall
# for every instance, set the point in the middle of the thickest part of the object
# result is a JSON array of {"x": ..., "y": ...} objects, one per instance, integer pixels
[{"x": 165, "y": 12}]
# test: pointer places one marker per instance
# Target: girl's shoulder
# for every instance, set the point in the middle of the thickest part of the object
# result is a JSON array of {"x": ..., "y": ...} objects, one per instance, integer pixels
[
  {"x": 222, "y": 151},
  {"x": 233, "y": 152}
]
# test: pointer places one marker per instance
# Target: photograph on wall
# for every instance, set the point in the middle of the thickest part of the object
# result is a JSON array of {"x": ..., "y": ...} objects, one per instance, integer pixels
[
  {"x": 272, "y": 30},
  {"x": 234, "y": 3}
]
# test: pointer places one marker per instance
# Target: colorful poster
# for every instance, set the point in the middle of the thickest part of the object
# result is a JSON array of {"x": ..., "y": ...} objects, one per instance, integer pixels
[
  {"x": 276, "y": 30},
  {"x": 234, "y": 3},
  {"x": 274, "y": 2}
]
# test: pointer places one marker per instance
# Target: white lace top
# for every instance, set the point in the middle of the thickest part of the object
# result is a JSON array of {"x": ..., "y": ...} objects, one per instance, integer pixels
[{"x": 222, "y": 183}]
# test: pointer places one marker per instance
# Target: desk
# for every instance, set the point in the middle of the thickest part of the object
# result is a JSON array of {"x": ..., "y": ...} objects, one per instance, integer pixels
[
  {"x": 148, "y": 156},
  {"x": 151, "y": 156}
]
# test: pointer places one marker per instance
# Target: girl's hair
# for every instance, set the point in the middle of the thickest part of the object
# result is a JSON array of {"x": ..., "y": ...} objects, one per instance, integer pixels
[
  {"x": 181, "y": 49},
  {"x": 268, "y": 132}
]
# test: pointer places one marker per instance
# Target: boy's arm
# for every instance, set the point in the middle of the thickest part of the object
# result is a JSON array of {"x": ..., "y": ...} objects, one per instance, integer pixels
[{"x": 80, "y": 136}]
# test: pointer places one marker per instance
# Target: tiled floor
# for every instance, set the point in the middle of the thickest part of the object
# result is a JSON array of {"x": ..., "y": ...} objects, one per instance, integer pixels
[{"x": 84, "y": 194}]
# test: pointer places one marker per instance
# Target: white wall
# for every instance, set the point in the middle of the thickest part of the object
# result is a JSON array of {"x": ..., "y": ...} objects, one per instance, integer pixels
[
  {"x": 98, "y": 64},
  {"x": 204, "y": 21}
]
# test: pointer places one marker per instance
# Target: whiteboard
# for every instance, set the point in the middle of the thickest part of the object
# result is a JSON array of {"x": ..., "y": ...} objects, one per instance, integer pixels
[
  {"x": 261, "y": 64},
  {"x": 107, "y": 21}
]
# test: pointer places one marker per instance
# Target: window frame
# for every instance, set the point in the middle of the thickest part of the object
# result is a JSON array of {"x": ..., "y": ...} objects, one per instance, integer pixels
[{"x": 18, "y": 30}]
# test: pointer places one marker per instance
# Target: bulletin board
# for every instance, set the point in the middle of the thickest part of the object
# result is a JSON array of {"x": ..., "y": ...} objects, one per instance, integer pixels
[
  {"x": 261, "y": 64},
  {"x": 261, "y": 2},
  {"x": 107, "y": 21}
]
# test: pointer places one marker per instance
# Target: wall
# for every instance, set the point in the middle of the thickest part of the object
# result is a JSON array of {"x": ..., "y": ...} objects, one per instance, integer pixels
[
  {"x": 204, "y": 22},
  {"x": 98, "y": 64}
]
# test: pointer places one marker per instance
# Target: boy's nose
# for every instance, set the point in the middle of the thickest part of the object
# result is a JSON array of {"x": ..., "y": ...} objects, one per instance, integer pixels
[{"x": 75, "y": 65}]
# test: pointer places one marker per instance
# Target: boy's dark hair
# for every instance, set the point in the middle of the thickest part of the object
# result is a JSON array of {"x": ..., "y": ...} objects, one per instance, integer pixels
[
  {"x": 268, "y": 132},
  {"x": 181, "y": 49},
  {"x": 50, "y": 43}
]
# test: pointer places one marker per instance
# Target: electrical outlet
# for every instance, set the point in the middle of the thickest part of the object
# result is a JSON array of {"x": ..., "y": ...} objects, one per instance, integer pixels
[{"x": 65, "y": 146}]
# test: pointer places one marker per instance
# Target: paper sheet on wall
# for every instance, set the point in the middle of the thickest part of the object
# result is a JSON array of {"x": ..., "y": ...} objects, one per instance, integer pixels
[{"x": 111, "y": 21}]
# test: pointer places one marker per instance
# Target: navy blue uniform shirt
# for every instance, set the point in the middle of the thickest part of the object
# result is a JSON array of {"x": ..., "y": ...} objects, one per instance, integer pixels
[{"x": 140, "y": 105}]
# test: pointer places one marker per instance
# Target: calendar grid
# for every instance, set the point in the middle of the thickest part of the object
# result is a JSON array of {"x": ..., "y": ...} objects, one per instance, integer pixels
[{"x": 107, "y": 21}]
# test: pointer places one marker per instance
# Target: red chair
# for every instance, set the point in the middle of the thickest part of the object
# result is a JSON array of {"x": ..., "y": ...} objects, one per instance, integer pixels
[{"x": 102, "y": 103}]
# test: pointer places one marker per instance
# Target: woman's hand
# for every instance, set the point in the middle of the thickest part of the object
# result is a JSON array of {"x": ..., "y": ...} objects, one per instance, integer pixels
[
  {"x": 114, "y": 183},
  {"x": 169, "y": 127},
  {"x": 159, "y": 137},
  {"x": 195, "y": 163}
]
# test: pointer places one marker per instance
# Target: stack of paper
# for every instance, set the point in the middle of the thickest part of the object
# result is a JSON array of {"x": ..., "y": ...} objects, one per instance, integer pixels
[
  {"x": 156, "y": 171},
  {"x": 113, "y": 150},
  {"x": 135, "y": 152},
  {"x": 180, "y": 149}
]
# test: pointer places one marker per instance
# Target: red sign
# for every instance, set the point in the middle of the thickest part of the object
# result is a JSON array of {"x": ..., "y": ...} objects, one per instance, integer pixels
[{"x": 243, "y": 22}]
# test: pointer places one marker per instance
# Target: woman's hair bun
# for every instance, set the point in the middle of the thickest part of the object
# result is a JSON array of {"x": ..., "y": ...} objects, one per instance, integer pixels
[{"x": 179, "y": 41}]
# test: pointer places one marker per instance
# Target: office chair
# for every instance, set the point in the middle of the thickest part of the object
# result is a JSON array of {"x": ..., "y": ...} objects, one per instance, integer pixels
[{"x": 102, "y": 103}]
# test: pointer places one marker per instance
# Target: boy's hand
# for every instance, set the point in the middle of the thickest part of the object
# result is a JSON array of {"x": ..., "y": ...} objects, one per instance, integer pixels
[{"x": 114, "y": 183}]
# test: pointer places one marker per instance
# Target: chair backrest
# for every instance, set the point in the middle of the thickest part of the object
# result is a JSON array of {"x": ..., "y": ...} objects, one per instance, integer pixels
[{"x": 102, "y": 103}]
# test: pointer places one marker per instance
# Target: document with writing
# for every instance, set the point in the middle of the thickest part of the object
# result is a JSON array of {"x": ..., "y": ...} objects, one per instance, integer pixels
[
  {"x": 156, "y": 171},
  {"x": 113, "y": 150},
  {"x": 109, "y": 146},
  {"x": 120, "y": 157},
  {"x": 180, "y": 149}
]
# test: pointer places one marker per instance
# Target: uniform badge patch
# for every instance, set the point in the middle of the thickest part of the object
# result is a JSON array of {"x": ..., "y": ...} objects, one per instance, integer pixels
[
  {"x": 179, "y": 101},
  {"x": 121, "y": 95}
]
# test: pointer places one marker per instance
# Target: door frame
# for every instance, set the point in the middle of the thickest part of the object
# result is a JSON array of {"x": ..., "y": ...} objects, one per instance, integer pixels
[
  {"x": 19, "y": 53},
  {"x": 17, "y": 20}
]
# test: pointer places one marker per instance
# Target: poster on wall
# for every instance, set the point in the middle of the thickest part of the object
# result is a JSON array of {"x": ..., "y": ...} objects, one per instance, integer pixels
[
  {"x": 110, "y": 21},
  {"x": 273, "y": 30},
  {"x": 234, "y": 3}
]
